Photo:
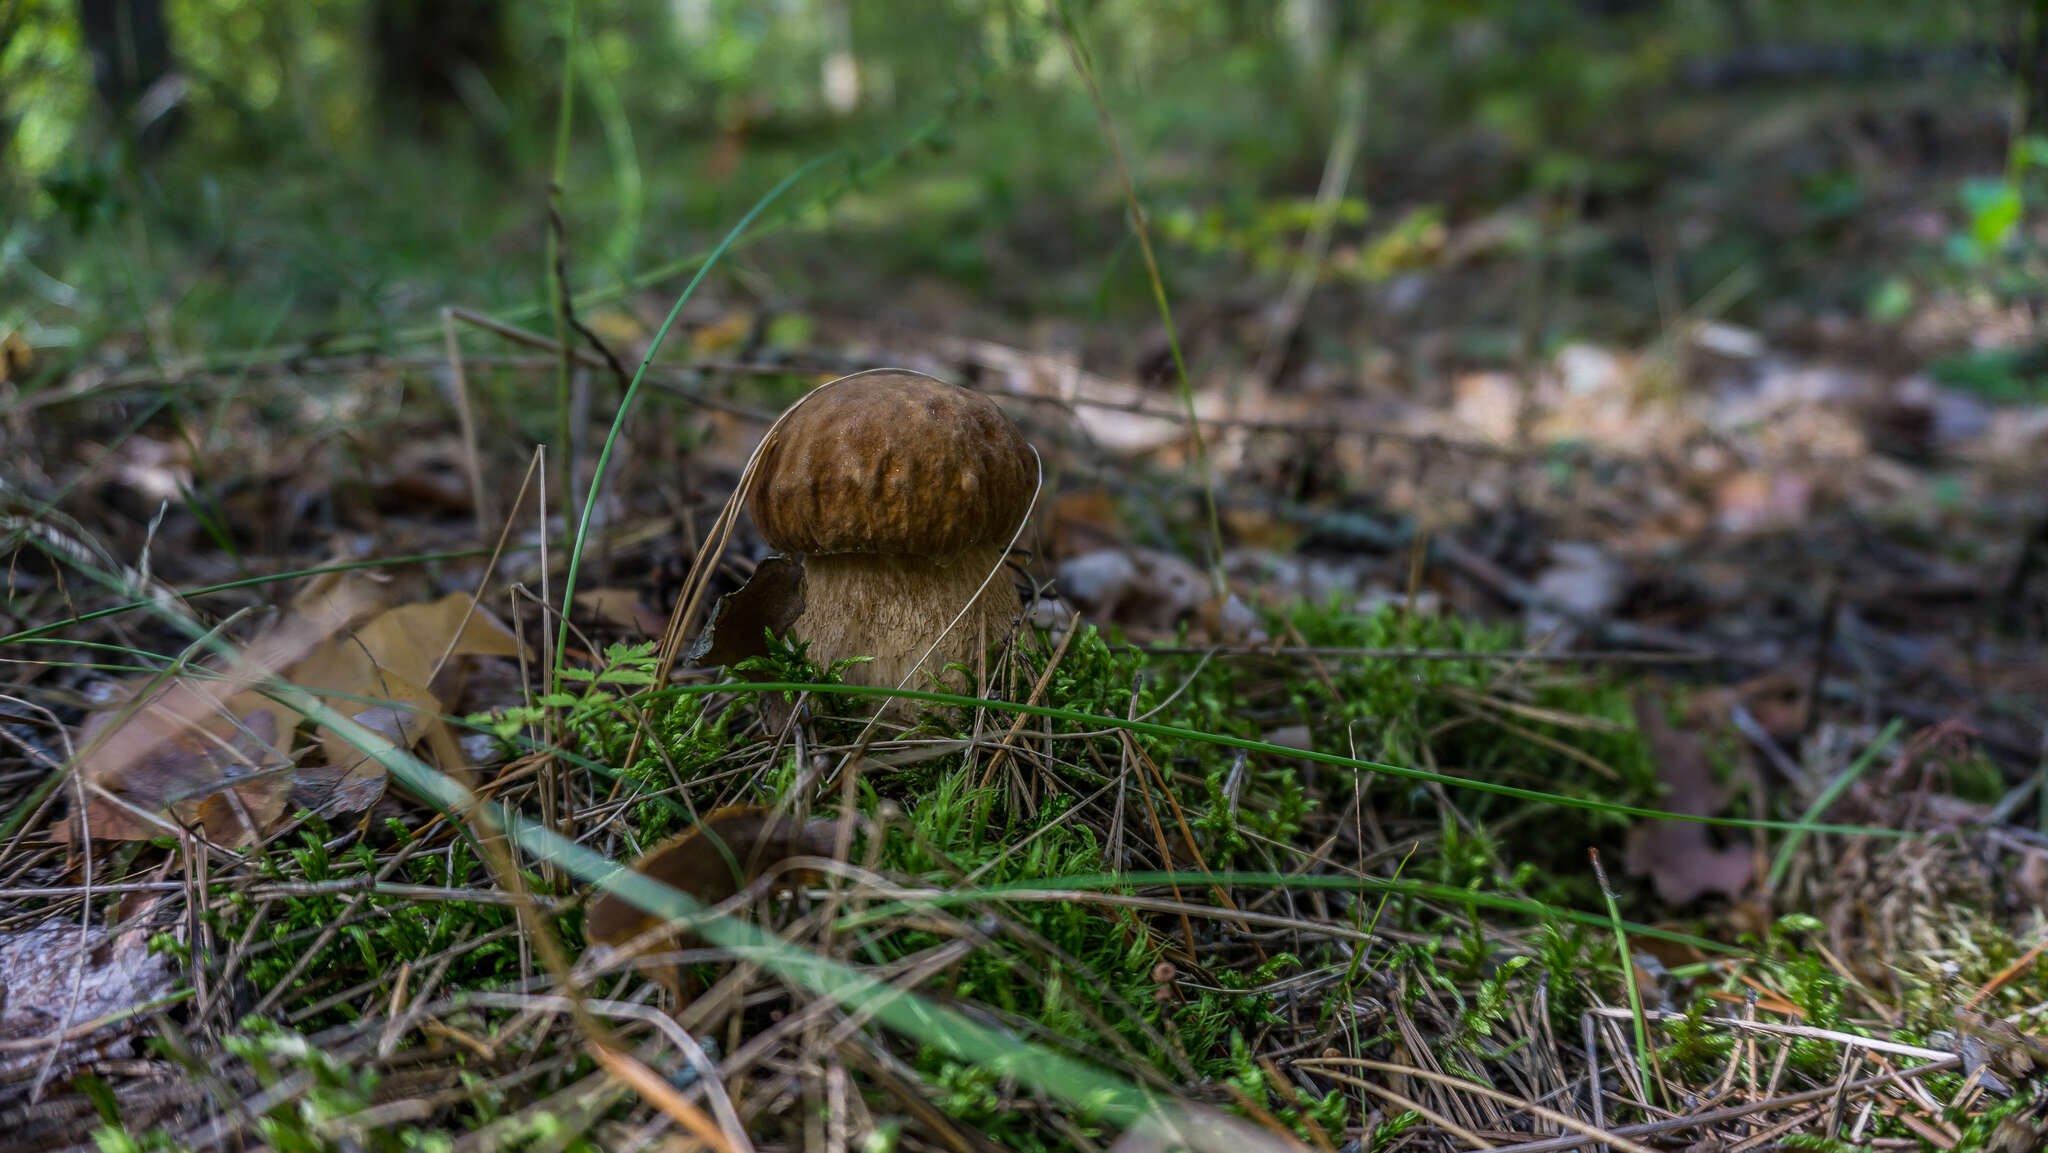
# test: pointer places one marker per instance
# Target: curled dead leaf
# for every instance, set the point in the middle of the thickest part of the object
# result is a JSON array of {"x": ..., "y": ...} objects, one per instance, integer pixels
[
  {"x": 769, "y": 602},
  {"x": 394, "y": 675}
]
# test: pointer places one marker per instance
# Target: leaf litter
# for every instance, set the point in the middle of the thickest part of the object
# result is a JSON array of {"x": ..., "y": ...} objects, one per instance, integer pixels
[{"x": 216, "y": 756}]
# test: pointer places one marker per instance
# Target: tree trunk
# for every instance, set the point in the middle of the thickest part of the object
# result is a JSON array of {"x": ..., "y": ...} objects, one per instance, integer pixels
[
  {"x": 2032, "y": 67},
  {"x": 427, "y": 52},
  {"x": 131, "y": 67}
]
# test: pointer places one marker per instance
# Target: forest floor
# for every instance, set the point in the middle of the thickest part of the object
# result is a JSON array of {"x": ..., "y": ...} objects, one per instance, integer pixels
[{"x": 1635, "y": 739}]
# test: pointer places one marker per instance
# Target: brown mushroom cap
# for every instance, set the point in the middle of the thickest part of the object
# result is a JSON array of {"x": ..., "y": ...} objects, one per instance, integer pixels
[{"x": 894, "y": 463}]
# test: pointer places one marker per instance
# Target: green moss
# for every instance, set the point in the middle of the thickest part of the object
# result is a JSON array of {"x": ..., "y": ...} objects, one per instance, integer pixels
[{"x": 1082, "y": 975}]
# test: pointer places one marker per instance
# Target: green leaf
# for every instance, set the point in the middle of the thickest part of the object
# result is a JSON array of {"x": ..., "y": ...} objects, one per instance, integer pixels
[
  {"x": 1890, "y": 301},
  {"x": 1994, "y": 208},
  {"x": 2029, "y": 152}
]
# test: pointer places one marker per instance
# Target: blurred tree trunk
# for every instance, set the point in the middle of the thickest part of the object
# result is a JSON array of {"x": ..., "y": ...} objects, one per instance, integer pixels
[
  {"x": 1249, "y": 21},
  {"x": 2032, "y": 67},
  {"x": 131, "y": 68},
  {"x": 430, "y": 55}
]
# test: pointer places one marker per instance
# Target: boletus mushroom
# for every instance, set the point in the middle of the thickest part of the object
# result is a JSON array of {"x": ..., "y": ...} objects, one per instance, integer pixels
[{"x": 902, "y": 494}]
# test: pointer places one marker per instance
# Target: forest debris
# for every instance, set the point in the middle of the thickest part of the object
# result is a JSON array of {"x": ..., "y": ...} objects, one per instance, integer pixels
[
  {"x": 1676, "y": 855},
  {"x": 1083, "y": 521},
  {"x": 1228, "y": 620},
  {"x": 710, "y": 863},
  {"x": 1726, "y": 340},
  {"x": 1488, "y": 403},
  {"x": 426, "y": 474},
  {"x": 158, "y": 470},
  {"x": 1582, "y": 583},
  {"x": 225, "y": 776},
  {"x": 214, "y": 754},
  {"x": 52, "y": 992},
  {"x": 1755, "y": 500},
  {"x": 1138, "y": 588},
  {"x": 205, "y": 750},
  {"x": 1098, "y": 581}
]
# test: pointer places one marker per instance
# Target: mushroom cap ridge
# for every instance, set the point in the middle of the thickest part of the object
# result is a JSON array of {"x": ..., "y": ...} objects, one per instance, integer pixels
[{"x": 894, "y": 463}]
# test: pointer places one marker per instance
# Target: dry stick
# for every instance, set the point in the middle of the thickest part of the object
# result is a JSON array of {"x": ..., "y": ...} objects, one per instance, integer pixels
[
  {"x": 470, "y": 457},
  {"x": 1806, "y": 1032},
  {"x": 1830, "y": 618},
  {"x": 2006, "y": 974},
  {"x": 1187, "y": 835},
  {"x": 54, "y": 1041},
  {"x": 1730, "y": 1112},
  {"x": 1487, "y": 1091},
  {"x": 651, "y": 1086},
  {"x": 593, "y": 360},
  {"x": 1165, "y": 852},
  {"x": 602, "y": 1046},
  {"x": 1414, "y": 1106},
  {"x": 601, "y": 1085},
  {"x": 306, "y": 958},
  {"x": 1059, "y": 653},
  {"x": 698, "y": 581},
  {"x": 949, "y": 1132}
]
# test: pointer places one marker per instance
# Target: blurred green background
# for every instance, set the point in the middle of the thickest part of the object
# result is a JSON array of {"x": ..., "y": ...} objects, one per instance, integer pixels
[{"x": 359, "y": 163}]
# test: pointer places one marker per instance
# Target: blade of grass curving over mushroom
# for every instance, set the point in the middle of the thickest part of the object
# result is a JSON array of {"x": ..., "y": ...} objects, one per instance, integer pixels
[
  {"x": 633, "y": 390},
  {"x": 1071, "y": 37}
]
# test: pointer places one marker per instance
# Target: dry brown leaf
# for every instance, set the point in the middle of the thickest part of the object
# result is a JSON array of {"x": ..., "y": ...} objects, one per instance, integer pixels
[
  {"x": 224, "y": 777},
  {"x": 1083, "y": 521},
  {"x": 206, "y": 751},
  {"x": 1677, "y": 856},
  {"x": 770, "y": 601},
  {"x": 711, "y": 862},
  {"x": 427, "y": 473},
  {"x": 392, "y": 676}
]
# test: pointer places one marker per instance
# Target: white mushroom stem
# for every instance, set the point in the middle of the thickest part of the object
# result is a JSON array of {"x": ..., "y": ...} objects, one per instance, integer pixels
[{"x": 893, "y": 608}]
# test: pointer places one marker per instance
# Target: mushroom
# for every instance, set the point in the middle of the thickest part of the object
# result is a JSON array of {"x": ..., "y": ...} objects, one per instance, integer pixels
[{"x": 902, "y": 494}]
